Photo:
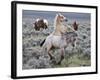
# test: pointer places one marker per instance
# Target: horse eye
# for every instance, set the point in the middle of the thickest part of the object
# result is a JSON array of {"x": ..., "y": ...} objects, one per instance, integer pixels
[{"x": 62, "y": 16}]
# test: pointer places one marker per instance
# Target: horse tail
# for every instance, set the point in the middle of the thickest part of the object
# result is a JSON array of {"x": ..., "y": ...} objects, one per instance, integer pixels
[{"x": 41, "y": 44}]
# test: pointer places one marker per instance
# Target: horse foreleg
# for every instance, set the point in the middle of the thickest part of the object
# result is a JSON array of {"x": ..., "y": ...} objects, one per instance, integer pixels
[{"x": 62, "y": 56}]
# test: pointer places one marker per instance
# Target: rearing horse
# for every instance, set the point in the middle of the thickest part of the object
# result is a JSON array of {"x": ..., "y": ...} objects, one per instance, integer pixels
[{"x": 58, "y": 38}]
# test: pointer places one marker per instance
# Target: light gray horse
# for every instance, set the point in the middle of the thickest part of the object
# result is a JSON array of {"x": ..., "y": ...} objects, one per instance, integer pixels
[{"x": 59, "y": 38}]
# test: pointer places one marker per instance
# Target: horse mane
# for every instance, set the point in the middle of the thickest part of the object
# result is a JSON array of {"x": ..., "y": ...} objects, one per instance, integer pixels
[{"x": 55, "y": 21}]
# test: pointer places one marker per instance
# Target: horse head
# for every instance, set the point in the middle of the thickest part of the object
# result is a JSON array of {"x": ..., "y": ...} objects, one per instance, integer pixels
[
  {"x": 40, "y": 23},
  {"x": 61, "y": 18},
  {"x": 58, "y": 23}
]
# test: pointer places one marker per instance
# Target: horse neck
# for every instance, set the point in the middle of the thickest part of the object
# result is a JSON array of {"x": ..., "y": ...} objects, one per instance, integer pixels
[
  {"x": 57, "y": 26},
  {"x": 57, "y": 23}
]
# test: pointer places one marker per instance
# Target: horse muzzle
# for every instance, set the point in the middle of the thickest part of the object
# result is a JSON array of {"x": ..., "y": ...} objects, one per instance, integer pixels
[{"x": 66, "y": 20}]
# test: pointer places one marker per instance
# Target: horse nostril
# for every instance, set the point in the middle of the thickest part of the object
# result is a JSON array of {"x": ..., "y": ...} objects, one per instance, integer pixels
[{"x": 66, "y": 20}]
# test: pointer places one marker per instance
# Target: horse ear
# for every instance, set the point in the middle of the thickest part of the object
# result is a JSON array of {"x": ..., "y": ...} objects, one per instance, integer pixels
[{"x": 59, "y": 14}]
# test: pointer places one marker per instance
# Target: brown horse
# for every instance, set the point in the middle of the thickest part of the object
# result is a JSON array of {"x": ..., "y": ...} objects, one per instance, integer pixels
[
  {"x": 40, "y": 23},
  {"x": 75, "y": 26}
]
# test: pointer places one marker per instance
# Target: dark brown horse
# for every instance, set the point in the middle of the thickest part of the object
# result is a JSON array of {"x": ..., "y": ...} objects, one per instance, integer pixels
[
  {"x": 40, "y": 23},
  {"x": 75, "y": 26}
]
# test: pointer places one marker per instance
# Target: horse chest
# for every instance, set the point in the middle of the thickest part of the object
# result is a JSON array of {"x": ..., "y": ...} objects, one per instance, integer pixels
[{"x": 58, "y": 42}]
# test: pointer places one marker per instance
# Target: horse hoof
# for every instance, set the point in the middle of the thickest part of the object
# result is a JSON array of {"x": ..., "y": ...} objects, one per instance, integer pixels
[
  {"x": 59, "y": 63},
  {"x": 53, "y": 61},
  {"x": 52, "y": 58}
]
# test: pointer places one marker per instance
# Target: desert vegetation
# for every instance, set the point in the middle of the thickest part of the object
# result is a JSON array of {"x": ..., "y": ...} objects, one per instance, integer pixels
[{"x": 35, "y": 58}]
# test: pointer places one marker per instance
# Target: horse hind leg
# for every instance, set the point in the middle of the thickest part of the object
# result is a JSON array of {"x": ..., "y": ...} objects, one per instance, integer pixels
[
  {"x": 51, "y": 56},
  {"x": 52, "y": 59},
  {"x": 62, "y": 56},
  {"x": 49, "y": 53}
]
